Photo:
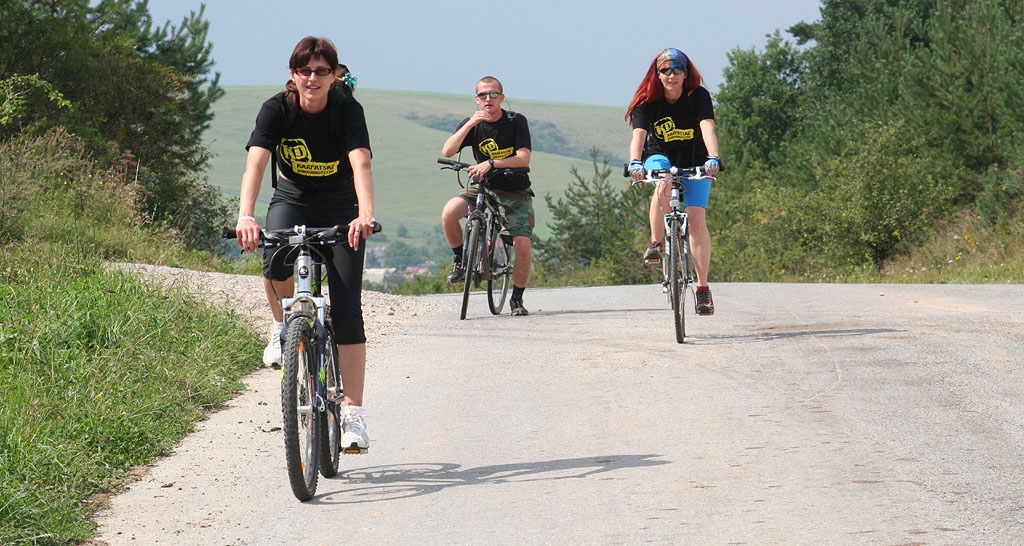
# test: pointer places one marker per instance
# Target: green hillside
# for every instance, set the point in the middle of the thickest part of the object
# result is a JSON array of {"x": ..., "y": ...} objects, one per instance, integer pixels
[{"x": 406, "y": 140}]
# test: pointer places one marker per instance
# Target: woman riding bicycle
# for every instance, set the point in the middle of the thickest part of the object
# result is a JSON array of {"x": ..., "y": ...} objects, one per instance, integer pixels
[
  {"x": 325, "y": 180},
  {"x": 673, "y": 123}
]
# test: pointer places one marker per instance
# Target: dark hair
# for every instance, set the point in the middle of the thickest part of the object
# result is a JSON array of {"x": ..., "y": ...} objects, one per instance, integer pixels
[{"x": 308, "y": 48}]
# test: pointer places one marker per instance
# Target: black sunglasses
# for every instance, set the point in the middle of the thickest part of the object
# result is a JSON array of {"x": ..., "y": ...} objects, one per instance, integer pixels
[
  {"x": 306, "y": 71},
  {"x": 484, "y": 94},
  {"x": 673, "y": 71}
]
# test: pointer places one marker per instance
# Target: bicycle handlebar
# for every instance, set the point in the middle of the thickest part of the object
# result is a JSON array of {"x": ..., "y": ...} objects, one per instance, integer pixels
[
  {"x": 653, "y": 176},
  {"x": 272, "y": 238},
  {"x": 457, "y": 166}
]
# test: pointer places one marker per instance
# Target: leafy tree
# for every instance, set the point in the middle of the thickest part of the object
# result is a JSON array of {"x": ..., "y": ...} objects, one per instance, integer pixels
[
  {"x": 400, "y": 255},
  {"x": 597, "y": 226},
  {"x": 761, "y": 104},
  {"x": 134, "y": 92},
  {"x": 966, "y": 88}
]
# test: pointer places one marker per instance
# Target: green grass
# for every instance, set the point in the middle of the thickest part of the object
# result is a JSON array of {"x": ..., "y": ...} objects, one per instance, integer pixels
[
  {"x": 409, "y": 189},
  {"x": 101, "y": 373}
]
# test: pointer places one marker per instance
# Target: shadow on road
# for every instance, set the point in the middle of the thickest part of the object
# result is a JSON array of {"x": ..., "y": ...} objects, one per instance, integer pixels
[
  {"x": 382, "y": 483},
  {"x": 772, "y": 335}
]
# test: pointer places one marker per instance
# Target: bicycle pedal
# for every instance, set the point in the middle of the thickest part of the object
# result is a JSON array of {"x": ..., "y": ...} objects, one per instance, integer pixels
[
  {"x": 354, "y": 450},
  {"x": 653, "y": 261}
]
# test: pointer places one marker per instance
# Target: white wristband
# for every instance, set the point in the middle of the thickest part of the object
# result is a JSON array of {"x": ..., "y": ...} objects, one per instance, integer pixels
[{"x": 240, "y": 218}]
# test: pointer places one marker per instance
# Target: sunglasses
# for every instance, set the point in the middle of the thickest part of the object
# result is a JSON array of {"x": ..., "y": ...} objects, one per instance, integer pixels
[
  {"x": 485, "y": 94},
  {"x": 673, "y": 71},
  {"x": 306, "y": 71}
]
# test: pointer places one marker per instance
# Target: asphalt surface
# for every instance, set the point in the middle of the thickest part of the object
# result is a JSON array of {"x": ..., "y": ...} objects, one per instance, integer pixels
[{"x": 798, "y": 414}]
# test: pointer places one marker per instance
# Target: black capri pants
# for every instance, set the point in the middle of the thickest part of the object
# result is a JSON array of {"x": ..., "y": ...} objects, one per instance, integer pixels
[{"x": 294, "y": 206}]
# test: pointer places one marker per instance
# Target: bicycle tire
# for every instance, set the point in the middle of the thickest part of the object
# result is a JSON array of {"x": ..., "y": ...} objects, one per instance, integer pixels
[
  {"x": 472, "y": 251},
  {"x": 500, "y": 277},
  {"x": 677, "y": 281},
  {"x": 298, "y": 391},
  {"x": 330, "y": 428}
]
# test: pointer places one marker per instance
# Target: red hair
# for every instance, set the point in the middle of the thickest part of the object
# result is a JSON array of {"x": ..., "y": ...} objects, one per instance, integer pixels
[{"x": 651, "y": 89}]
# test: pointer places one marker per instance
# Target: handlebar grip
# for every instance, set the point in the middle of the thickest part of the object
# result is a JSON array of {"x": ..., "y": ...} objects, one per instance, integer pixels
[
  {"x": 228, "y": 233},
  {"x": 446, "y": 161},
  {"x": 376, "y": 227}
]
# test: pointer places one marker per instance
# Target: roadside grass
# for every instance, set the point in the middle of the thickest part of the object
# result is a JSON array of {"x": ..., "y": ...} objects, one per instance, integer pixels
[
  {"x": 102, "y": 372},
  {"x": 966, "y": 251}
]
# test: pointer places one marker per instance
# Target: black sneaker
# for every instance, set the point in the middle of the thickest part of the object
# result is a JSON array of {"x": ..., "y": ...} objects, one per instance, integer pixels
[
  {"x": 653, "y": 254},
  {"x": 517, "y": 308},
  {"x": 705, "y": 305},
  {"x": 458, "y": 273}
]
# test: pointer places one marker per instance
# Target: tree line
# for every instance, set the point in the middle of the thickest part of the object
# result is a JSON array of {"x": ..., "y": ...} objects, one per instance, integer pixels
[
  {"x": 851, "y": 143},
  {"x": 875, "y": 130}
]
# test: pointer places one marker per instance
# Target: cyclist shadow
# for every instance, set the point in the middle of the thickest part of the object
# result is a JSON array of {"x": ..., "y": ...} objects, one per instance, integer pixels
[{"x": 392, "y": 482}]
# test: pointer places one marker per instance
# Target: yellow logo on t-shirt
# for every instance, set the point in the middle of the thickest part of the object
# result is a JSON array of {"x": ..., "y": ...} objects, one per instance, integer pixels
[
  {"x": 296, "y": 155},
  {"x": 665, "y": 129},
  {"x": 490, "y": 148}
]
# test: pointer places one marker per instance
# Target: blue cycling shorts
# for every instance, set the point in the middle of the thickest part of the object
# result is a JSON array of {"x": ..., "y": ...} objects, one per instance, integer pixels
[{"x": 695, "y": 192}]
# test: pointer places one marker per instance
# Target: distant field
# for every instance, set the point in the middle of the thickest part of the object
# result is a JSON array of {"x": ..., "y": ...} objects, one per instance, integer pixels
[{"x": 409, "y": 188}]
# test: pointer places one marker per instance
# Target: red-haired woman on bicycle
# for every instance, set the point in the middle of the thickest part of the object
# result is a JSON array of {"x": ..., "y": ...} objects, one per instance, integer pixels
[{"x": 673, "y": 123}]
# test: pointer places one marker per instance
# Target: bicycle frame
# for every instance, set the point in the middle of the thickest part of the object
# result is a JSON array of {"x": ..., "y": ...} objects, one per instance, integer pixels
[
  {"x": 486, "y": 253},
  {"x": 676, "y": 214},
  {"x": 308, "y": 280},
  {"x": 311, "y": 388},
  {"x": 678, "y": 265}
]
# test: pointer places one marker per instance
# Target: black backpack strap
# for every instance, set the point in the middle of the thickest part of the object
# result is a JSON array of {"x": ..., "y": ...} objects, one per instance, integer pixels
[{"x": 273, "y": 167}]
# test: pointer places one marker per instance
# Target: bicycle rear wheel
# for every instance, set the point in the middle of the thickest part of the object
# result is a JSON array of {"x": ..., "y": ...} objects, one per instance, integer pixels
[
  {"x": 298, "y": 394},
  {"x": 330, "y": 428},
  {"x": 470, "y": 262},
  {"x": 677, "y": 278},
  {"x": 500, "y": 255}
]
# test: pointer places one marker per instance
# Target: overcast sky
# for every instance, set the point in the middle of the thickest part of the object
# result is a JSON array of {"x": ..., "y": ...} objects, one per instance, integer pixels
[{"x": 576, "y": 51}]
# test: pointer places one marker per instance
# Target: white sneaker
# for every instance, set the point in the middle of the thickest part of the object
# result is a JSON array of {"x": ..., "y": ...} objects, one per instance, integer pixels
[
  {"x": 272, "y": 353},
  {"x": 355, "y": 439}
]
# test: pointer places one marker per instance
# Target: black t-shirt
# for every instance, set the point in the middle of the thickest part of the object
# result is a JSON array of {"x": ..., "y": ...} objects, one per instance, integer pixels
[
  {"x": 500, "y": 140},
  {"x": 673, "y": 130},
  {"x": 312, "y": 153}
]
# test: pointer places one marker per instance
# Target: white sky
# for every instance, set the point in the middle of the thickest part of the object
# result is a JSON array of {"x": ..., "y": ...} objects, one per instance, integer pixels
[{"x": 575, "y": 51}]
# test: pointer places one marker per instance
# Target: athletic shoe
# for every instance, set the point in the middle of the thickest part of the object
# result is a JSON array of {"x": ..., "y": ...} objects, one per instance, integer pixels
[
  {"x": 517, "y": 308},
  {"x": 458, "y": 273},
  {"x": 705, "y": 305},
  {"x": 272, "y": 353},
  {"x": 354, "y": 440},
  {"x": 653, "y": 254}
]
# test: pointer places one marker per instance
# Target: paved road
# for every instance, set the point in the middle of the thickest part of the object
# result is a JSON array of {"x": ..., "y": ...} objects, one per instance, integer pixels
[{"x": 799, "y": 414}]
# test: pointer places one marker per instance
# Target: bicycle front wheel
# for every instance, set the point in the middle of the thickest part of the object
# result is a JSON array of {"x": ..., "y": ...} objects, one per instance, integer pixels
[
  {"x": 471, "y": 260},
  {"x": 500, "y": 255},
  {"x": 298, "y": 395},
  {"x": 677, "y": 278},
  {"x": 330, "y": 428}
]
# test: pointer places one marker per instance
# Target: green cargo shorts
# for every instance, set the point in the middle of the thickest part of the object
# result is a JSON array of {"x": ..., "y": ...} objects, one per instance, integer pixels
[{"x": 518, "y": 207}]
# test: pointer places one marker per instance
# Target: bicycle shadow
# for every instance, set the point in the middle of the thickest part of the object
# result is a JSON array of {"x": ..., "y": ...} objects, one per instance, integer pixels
[
  {"x": 393, "y": 482},
  {"x": 770, "y": 335}
]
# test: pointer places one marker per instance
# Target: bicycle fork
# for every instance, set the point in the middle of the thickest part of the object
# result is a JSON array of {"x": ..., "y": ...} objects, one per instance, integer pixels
[
  {"x": 297, "y": 307},
  {"x": 680, "y": 216}
]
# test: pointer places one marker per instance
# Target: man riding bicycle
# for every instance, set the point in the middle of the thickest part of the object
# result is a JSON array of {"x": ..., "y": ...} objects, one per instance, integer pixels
[{"x": 500, "y": 140}]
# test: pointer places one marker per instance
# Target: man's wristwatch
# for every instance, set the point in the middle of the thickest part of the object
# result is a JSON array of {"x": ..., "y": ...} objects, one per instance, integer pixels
[{"x": 491, "y": 161}]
